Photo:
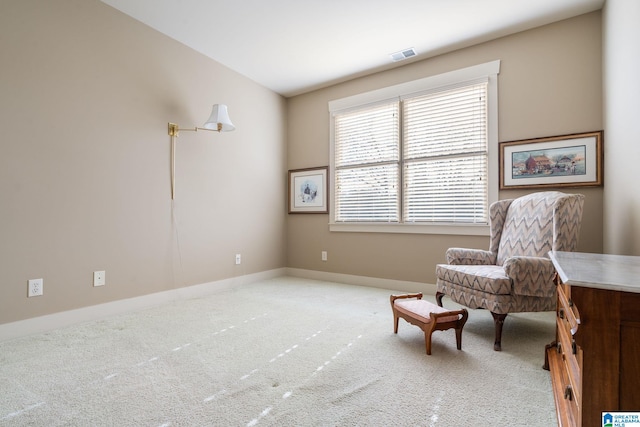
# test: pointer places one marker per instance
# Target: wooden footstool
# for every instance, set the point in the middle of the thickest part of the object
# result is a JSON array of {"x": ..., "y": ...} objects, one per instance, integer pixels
[{"x": 427, "y": 316}]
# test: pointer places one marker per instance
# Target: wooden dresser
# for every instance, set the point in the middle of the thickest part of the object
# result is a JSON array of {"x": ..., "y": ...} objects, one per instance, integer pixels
[{"x": 595, "y": 359}]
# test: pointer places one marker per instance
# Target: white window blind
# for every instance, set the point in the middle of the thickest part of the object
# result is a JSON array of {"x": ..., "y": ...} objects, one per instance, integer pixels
[
  {"x": 445, "y": 156},
  {"x": 367, "y": 164},
  {"x": 418, "y": 157}
]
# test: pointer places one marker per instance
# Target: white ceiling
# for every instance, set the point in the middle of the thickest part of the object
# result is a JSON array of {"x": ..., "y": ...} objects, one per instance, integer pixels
[{"x": 294, "y": 46}]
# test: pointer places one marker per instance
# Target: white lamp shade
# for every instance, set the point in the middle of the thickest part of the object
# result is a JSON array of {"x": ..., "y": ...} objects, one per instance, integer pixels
[{"x": 219, "y": 116}]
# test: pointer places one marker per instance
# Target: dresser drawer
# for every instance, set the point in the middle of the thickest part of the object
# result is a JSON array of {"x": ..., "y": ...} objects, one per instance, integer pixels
[
  {"x": 568, "y": 351},
  {"x": 567, "y": 310},
  {"x": 567, "y": 404},
  {"x": 568, "y": 322}
]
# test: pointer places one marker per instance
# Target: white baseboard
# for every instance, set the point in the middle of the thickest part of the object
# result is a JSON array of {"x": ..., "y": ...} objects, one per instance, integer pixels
[
  {"x": 394, "y": 285},
  {"x": 95, "y": 312}
]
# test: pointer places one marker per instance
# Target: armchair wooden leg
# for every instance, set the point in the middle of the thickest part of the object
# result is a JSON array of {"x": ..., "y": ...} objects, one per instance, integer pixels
[
  {"x": 498, "y": 319},
  {"x": 461, "y": 322},
  {"x": 439, "y": 296}
]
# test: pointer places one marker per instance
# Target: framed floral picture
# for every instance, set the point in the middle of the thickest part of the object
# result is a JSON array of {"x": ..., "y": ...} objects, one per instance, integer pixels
[{"x": 309, "y": 190}]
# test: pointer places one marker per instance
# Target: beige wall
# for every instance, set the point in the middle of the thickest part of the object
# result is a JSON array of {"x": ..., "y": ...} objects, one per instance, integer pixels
[
  {"x": 85, "y": 96},
  {"x": 621, "y": 33},
  {"x": 550, "y": 83}
]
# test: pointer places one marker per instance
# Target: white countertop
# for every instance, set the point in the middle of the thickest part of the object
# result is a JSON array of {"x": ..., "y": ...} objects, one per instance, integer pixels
[{"x": 601, "y": 271}]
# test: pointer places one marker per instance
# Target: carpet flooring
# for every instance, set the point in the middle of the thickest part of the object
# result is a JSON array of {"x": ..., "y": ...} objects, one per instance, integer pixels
[{"x": 280, "y": 352}]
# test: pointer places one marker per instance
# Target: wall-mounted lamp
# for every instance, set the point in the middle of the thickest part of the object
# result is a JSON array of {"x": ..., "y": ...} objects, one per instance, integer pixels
[{"x": 219, "y": 121}]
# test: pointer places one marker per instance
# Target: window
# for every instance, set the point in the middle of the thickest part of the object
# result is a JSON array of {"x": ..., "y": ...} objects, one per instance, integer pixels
[{"x": 417, "y": 157}]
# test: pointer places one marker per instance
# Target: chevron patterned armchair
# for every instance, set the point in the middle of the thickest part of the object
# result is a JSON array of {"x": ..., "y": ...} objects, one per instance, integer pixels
[{"x": 515, "y": 275}]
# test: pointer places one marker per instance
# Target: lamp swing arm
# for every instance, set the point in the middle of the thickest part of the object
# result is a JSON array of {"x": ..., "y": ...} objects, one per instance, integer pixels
[
  {"x": 219, "y": 117},
  {"x": 174, "y": 129}
]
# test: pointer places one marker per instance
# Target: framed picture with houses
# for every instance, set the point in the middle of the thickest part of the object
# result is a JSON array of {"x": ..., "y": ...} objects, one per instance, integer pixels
[{"x": 573, "y": 160}]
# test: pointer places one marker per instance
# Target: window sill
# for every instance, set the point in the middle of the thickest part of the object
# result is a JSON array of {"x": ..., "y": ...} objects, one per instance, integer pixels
[{"x": 464, "y": 230}]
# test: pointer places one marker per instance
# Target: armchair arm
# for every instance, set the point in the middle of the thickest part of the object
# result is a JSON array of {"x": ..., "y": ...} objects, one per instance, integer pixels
[
  {"x": 531, "y": 276},
  {"x": 463, "y": 256}
]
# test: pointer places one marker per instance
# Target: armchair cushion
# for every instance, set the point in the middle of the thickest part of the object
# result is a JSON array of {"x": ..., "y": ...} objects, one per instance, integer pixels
[
  {"x": 499, "y": 304},
  {"x": 540, "y": 222},
  {"x": 528, "y": 228},
  {"x": 486, "y": 278}
]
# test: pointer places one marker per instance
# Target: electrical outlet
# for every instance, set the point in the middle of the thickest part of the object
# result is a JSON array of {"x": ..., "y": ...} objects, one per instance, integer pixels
[
  {"x": 324, "y": 255},
  {"x": 35, "y": 288},
  {"x": 238, "y": 259},
  {"x": 99, "y": 278}
]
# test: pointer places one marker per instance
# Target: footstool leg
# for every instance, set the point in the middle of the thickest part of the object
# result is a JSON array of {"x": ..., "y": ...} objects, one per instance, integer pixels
[
  {"x": 427, "y": 340},
  {"x": 459, "y": 338}
]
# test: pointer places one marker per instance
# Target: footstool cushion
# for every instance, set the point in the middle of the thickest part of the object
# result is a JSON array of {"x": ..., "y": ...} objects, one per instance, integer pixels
[{"x": 427, "y": 316}]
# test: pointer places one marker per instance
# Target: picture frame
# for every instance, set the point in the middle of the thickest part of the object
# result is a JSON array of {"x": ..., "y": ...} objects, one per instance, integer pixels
[
  {"x": 573, "y": 160},
  {"x": 309, "y": 190}
]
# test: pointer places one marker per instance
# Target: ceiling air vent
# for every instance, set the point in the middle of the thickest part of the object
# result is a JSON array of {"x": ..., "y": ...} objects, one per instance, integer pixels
[{"x": 403, "y": 54}]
